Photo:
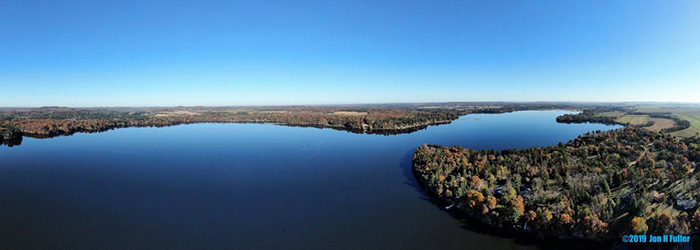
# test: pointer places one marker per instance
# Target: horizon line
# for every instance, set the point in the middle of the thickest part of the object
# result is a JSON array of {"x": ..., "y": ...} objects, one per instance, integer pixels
[{"x": 363, "y": 104}]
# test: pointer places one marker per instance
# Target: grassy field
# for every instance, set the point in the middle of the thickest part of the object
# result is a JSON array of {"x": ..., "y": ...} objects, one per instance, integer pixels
[
  {"x": 694, "y": 129},
  {"x": 634, "y": 119},
  {"x": 669, "y": 108},
  {"x": 660, "y": 123},
  {"x": 688, "y": 112}
]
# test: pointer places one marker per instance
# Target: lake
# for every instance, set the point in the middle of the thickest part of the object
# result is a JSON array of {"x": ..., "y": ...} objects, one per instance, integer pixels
[{"x": 247, "y": 186}]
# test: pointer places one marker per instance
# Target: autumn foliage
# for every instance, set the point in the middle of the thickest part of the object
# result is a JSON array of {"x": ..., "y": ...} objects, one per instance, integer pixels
[
  {"x": 589, "y": 187},
  {"x": 639, "y": 225}
]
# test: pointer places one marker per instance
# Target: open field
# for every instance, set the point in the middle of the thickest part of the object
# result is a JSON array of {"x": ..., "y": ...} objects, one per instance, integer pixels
[
  {"x": 634, "y": 119},
  {"x": 694, "y": 128},
  {"x": 688, "y": 112},
  {"x": 660, "y": 123},
  {"x": 685, "y": 109},
  {"x": 350, "y": 113}
]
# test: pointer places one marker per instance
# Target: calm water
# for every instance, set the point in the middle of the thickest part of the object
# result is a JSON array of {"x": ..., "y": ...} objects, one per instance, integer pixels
[{"x": 246, "y": 186}]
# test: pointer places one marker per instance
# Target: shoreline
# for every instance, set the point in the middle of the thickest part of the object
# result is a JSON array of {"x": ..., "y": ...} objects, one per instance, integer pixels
[
  {"x": 380, "y": 131},
  {"x": 366, "y": 128},
  {"x": 46, "y": 123},
  {"x": 476, "y": 223},
  {"x": 446, "y": 175}
]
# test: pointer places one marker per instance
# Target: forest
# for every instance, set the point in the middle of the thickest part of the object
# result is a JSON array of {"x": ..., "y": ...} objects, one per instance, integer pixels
[
  {"x": 371, "y": 119},
  {"x": 588, "y": 115},
  {"x": 598, "y": 186},
  {"x": 56, "y": 121}
]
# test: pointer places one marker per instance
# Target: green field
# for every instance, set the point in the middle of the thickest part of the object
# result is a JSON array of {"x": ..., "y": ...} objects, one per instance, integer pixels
[
  {"x": 694, "y": 129},
  {"x": 689, "y": 112},
  {"x": 634, "y": 119},
  {"x": 676, "y": 109}
]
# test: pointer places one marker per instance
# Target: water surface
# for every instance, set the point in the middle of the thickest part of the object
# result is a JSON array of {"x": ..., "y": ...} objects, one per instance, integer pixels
[{"x": 246, "y": 186}]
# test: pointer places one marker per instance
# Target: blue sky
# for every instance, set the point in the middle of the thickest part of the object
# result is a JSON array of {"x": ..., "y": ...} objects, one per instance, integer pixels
[{"x": 164, "y": 53}]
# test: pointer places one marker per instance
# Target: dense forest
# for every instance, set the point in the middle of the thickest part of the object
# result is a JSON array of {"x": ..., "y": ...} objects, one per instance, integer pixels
[
  {"x": 48, "y": 122},
  {"x": 597, "y": 186},
  {"x": 588, "y": 115}
]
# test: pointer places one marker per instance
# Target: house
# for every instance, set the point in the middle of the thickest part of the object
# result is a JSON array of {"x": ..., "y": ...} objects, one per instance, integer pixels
[{"x": 687, "y": 204}]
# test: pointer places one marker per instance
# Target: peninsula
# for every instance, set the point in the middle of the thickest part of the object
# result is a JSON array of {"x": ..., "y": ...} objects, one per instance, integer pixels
[{"x": 638, "y": 179}]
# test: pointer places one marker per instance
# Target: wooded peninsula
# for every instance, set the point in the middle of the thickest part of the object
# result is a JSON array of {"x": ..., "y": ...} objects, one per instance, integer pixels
[{"x": 601, "y": 185}]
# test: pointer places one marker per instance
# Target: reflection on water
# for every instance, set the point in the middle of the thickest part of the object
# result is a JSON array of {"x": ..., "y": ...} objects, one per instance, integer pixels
[{"x": 11, "y": 142}]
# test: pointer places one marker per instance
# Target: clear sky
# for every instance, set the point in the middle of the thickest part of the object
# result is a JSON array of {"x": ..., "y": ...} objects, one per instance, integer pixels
[{"x": 165, "y": 53}]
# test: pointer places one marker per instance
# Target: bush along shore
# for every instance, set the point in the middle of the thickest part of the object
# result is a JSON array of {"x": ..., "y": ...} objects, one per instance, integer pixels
[
  {"x": 10, "y": 135},
  {"x": 598, "y": 186}
]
